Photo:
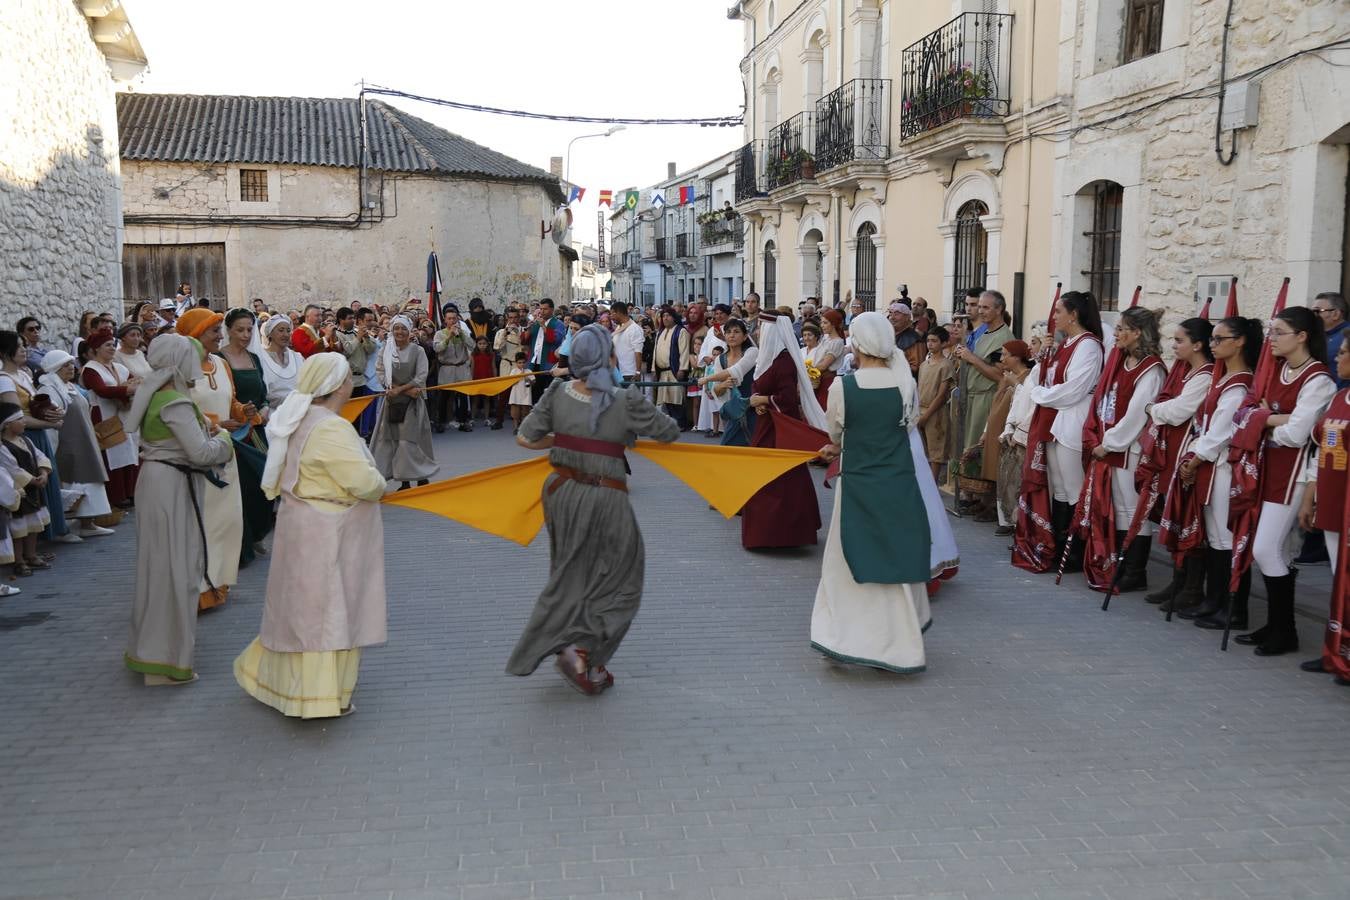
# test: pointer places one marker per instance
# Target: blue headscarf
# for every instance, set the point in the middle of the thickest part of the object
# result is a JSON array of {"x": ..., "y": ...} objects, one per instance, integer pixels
[{"x": 589, "y": 361}]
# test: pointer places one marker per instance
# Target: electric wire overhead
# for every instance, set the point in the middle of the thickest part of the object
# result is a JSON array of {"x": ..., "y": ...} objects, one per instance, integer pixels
[{"x": 703, "y": 121}]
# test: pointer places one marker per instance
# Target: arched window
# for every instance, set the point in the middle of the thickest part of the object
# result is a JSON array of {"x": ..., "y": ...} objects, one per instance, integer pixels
[
  {"x": 770, "y": 277},
  {"x": 865, "y": 267},
  {"x": 773, "y": 17},
  {"x": 1103, "y": 244},
  {"x": 972, "y": 250},
  {"x": 812, "y": 264}
]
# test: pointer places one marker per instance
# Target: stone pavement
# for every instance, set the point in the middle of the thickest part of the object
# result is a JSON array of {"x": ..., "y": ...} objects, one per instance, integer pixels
[{"x": 1050, "y": 751}]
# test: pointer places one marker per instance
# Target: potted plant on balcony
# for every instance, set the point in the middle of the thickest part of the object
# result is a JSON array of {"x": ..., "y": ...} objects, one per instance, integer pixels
[{"x": 806, "y": 164}]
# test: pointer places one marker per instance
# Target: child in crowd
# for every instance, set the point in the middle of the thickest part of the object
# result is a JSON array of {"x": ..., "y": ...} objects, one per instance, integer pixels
[
  {"x": 484, "y": 362},
  {"x": 520, "y": 393},
  {"x": 28, "y": 468},
  {"x": 693, "y": 393},
  {"x": 937, "y": 374}
]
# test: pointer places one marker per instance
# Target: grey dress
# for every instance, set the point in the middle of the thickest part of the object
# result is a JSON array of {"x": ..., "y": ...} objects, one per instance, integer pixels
[
  {"x": 402, "y": 450},
  {"x": 596, "y": 557}
]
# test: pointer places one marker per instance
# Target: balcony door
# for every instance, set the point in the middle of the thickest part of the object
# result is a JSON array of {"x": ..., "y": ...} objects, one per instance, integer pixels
[
  {"x": 865, "y": 267},
  {"x": 972, "y": 250}
]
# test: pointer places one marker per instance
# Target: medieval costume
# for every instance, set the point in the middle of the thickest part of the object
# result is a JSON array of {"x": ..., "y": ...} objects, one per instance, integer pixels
[
  {"x": 19, "y": 384},
  {"x": 1329, "y": 515},
  {"x": 75, "y": 445},
  {"x": 785, "y": 512},
  {"x": 937, "y": 374},
  {"x": 977, "y": 389},
  {"x": 738, "y": 425},
  {"x": 176, "y": 451},
  {"x": 671, "y": 361},
  {"x": 1012, "y": 441},
  {"x": 278, "y": 375},
  {"x": 401, "y": 444},
  {"x": 250, "y": 454},
  {"x": 596, "y": 555},
  {"x": 222, "y": 504},
  {"x": 318, "y": 616},
  {"x": 871, "y": 604},
  {"x": 107, "y": 384}
]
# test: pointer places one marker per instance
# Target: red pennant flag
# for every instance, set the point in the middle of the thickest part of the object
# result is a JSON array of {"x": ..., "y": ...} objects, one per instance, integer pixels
[
  {"x": 1267, "y": 367},
  {"x": 607, "y": 198},
  {"x": 1231, "y": 309},
  {"x": 1204, "y": 310}
]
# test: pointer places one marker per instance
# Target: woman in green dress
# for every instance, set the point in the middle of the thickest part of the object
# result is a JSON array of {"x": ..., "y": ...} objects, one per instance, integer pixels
[{"x": 250, "y": 441}]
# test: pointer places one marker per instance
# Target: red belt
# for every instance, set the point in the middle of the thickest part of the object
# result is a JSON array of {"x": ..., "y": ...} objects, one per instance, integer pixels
[
  {"x": 569, "y": 474},
  {"x": 589, "y": 445}
]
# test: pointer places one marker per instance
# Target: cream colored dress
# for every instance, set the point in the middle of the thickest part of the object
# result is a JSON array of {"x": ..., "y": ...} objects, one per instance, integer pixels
[{"x": 222, "y": 509}]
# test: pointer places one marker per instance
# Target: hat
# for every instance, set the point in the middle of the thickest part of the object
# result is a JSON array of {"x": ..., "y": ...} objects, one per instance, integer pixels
[
  {"x": 55, "y": 359},
  {"x": 898, "y": 307},
  {"x": 99, "y": 338},
  {"x": 167, "y": 303},
  {"x": 1017, "y": 348},
  {"x": 128, "y": 328},
  {"x": 193, "y": 323}
]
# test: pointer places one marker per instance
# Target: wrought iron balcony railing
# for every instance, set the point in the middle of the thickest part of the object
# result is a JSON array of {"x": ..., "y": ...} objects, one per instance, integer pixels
[
  {"x": 788, "y": 157},
  {"x": 853, "y": 123},
  {"x": 959, "y": 71},
  {"x": 663, "y": 248},
  {"x": 684, "y": 245},
  {"x": 721, "y": 229},
  {"x": 749, "y": 171}
]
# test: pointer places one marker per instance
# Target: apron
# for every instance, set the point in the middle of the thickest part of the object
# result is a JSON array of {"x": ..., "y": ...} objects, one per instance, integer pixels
[{"x": 126, "y": 453}]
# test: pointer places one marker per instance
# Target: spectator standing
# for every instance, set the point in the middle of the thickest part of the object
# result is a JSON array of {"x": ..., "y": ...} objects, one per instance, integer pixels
[{"x": 937, "y": 374}]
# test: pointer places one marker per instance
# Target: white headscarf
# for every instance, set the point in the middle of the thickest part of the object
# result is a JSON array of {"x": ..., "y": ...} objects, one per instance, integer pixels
[
  {"x": 872, "y": 335},
  {"x": 391, "y": 350},
  {"x": 321, "y": 374},
  {"x": 775, "y": 337},
  {"x": 176, "y": 361},
  {"x": 50, "y": 382}
]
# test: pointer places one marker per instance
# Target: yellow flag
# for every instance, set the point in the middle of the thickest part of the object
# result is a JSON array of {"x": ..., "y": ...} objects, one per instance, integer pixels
[
  {"x": 482, "y": 387},
  {"x": 506, "y": 500},
  {"x": 352, "y": 409},
  {"x": 727, "y": 477}
]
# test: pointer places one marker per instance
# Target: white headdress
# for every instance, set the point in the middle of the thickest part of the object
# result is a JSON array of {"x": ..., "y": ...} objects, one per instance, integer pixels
[
  {"x": 775, "y": 337},
  {"x": 872, "y": 335},
  {"x": 321, "y": 374}
]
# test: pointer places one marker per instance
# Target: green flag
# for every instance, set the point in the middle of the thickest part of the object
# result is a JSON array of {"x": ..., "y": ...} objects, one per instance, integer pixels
[{"x": 630, "y": 200}]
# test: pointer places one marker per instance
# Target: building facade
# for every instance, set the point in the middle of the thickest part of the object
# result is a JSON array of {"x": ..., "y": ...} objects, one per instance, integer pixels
[
  {"x": 60, "y": 206},
  {"x": 1015, "y": 144},
  {"x": 298, "y": 200}
]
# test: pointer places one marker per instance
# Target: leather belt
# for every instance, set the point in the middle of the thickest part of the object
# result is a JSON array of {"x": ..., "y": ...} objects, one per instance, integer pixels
[{"x": 566, "y": 473}]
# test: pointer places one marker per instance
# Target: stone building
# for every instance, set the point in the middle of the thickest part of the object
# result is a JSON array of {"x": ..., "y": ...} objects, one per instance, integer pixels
[
  {"x": 330, "y": 201},
  {"x": 60, "y": 211},
  {"x": 945, "y": 144},
  {"x": 1155, "y": 187},
  {"x": 886, "y": 144}
]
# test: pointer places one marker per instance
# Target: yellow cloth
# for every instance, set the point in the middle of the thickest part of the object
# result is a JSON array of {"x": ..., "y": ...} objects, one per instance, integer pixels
[
  {"x": 482, "y": 387},
  {"x": 336, "y": 467},
  {"x": 352, "y": 409},
  {"x": 506, "y": 500},
  {"x": 307, "y": 685},
  {"x": 706, "y": 468}
]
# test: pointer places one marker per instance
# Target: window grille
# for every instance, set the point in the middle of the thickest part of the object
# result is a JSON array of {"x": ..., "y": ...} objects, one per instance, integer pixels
[
  {"x": 770, "y": 277},
  {"x": 1103, "y": 275},
  {"x": 253, "y": 185},
  {"x": 972, "y": 251},
  {"x": 865, "y": 267}
]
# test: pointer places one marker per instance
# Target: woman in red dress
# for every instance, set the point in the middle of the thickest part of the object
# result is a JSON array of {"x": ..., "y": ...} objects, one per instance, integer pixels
[
  {"x": 1296, "y": 397},
  {"x": 785, "y": 512}
]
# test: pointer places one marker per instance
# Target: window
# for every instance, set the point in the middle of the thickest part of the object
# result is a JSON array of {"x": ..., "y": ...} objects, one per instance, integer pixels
[
  {"x": 770, "y": 277},
  {"x": 1103, "y": 276},
  {"x": 253, "y": 185},
  {"x": 972, "y": 251},
  {"x": 865, "y": 267},
  {"x": 1143, "y": 29},
  {"x": 773, "y": 19}
]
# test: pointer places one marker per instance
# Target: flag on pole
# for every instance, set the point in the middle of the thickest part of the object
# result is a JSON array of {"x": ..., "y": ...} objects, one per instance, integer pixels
[
  {"x": 1204, "y": 310},
  {"x": 576, "y": 194},
  {"x": 630, "y": 199},
  {"x": 658, "y": 198},
  {"x": 607, "y": 198},
  {"x": 686, "y": 194},
  {"x": 434, "y": 290}
]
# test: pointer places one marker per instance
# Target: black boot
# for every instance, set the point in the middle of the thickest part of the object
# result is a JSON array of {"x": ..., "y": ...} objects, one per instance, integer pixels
[
  {"x": 1191, "y": 597},
  {"x": 1170, "y": 591},
  {"x": 1220, "y": 570},
  {"x": 1282, "y": 634},
  {"x": 1135, "y": 562}
]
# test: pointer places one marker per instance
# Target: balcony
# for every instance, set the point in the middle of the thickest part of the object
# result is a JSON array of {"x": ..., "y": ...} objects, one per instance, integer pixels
[
  {"x": 958, "y": 73},
  {"x": 853, "y": 123},
  {"x": 684, "y": 246},
  {"x": 788, "y": 156},
  {"x": 749, "y": 172},
  {"x": 718, "y": 228}
]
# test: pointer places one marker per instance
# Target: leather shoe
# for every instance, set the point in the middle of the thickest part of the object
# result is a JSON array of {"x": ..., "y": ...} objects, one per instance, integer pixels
[
  {"x": 1247, "y": 640},
  {"x": 1279, "y": 649},
  {"x": 1004, "y": 530},
  {"x": 1313, "y": 665}
]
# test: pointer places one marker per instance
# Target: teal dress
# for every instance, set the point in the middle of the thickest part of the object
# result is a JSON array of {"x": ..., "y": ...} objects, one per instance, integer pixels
[{"x": 260, "y": 514}]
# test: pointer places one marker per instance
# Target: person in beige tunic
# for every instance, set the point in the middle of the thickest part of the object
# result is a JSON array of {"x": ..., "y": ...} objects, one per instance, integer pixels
[
  {"x": 326, "y": 588},
  {"x": 178, "y": 446}
]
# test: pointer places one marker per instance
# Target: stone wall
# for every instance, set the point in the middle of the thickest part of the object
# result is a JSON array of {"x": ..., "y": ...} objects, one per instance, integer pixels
[
  {"x": 1277, "y": 210},
  {"x": 59, "y": 206},
  {"x": 486, "y": 234}
]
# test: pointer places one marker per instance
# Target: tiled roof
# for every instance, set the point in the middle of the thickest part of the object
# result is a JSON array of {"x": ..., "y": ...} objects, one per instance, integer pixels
[{"x": 302, "y": 131}]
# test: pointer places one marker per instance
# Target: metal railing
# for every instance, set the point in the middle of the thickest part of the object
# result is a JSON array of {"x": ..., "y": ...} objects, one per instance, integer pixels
[
  {"x": 961, "y": 70},
  {"x": 749, "y": 171},
  {"x": 720, "y": 230},
  {"x": 853, "y": 122},
  {"x": 663, "y": 248},
  {"x": 788, "y": 157},
  {"x": 684, "y": 245}
]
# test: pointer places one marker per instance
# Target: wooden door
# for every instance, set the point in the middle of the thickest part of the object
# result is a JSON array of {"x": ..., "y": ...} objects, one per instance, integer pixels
[{"x": 154, "y": 271}]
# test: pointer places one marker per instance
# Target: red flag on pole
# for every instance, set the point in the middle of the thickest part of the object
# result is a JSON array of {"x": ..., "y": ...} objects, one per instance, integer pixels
[
  {"x": 1204, "y": 310},
  {"x": 1034, "y": 541}
]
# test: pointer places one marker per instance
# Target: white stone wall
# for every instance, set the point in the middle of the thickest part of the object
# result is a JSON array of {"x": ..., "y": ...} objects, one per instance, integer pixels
[
  {"x": 59, "y": 207},
  {"x": 486, "y": 234},
  {"x": 1277, "y": 210}
]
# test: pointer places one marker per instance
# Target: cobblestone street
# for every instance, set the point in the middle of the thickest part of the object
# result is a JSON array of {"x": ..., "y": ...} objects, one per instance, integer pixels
[{"x": 1050, "y": 751}]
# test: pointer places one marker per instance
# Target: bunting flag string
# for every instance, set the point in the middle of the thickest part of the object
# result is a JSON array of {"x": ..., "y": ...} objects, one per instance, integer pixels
[
  {"x": 481, "y": 387},
  {"x": 607, "y": 198},
  {"x": 688, "y": 194},
  {"x": 507, "y": 501}
]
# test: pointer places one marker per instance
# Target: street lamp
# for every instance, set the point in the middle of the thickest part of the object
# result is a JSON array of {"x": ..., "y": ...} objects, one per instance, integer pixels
[{"x": 567, "y": 171}]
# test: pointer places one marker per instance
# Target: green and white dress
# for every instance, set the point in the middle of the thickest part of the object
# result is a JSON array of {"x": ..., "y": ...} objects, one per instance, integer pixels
[{"x": 872, "y": 601}]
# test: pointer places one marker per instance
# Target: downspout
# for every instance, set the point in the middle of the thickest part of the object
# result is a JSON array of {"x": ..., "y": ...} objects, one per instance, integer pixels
[
  {"x": 838, "y": 200},
  {"x": 1027, "y": 100}
]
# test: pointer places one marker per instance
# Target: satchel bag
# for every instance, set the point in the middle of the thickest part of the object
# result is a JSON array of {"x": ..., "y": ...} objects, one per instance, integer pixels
[
  {"x": 398, "y": 408},
  {"x": 110, "y": 433}
]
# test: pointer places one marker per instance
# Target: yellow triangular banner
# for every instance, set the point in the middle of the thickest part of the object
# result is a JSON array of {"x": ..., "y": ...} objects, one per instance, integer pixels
[
  {"x": 352, "y": 409},
  {"x": 727, "y": 477},
  {"x": 483, "y": 387},
  {"x": 506, "y": 500}
]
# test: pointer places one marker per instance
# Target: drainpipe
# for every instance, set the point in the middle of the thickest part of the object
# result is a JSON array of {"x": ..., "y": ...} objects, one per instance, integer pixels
[
  {"x": 1029, "y": 65},
  {"x": 839, "y": 201}
]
